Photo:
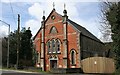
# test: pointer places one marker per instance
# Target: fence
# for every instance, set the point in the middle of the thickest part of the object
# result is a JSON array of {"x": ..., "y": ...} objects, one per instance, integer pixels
[{"x": 98, "y": 65}]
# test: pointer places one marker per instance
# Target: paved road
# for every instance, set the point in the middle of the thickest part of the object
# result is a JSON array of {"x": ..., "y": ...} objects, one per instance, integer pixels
[{"x": 12, "y": 72}]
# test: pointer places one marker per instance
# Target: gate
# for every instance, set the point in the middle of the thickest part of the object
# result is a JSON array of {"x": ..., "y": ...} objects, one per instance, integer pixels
[{"x": 98, "y": 65}]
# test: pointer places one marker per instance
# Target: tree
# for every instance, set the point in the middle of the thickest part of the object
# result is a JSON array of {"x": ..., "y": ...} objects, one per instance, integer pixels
[
  {"x": 13, "y": 47},
  {"x": 26, "y": 48},
  {"x": 111, "y": 15},
  {"x": 4, "y": 48},
  {"x": 105, "y": 26}
]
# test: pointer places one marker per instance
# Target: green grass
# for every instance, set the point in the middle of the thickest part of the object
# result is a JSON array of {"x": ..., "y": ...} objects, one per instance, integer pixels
[
  {"x": 27, "y": 70},
  {"x": 117, "y": 72},
  {"x": 8, "y": 68}
]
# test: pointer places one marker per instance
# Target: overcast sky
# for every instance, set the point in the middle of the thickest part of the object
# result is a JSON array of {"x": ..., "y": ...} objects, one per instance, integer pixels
[{"x": 85, "y": 13}]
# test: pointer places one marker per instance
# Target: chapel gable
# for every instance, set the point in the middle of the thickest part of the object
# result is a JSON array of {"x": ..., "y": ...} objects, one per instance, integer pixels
[
  {"x": 53, "y": 30},
  {"x": 53, "y": 17}
]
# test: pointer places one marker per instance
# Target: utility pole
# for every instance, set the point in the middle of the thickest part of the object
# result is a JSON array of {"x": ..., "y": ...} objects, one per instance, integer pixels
[
  {"x": 8, "y": 47},
  {"x": 18, "y": 41},
  {"x": 8, "y": 42}
]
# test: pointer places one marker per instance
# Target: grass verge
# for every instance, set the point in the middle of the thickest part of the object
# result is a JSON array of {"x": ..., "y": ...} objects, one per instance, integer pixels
[{"x": 26, "y": 70}]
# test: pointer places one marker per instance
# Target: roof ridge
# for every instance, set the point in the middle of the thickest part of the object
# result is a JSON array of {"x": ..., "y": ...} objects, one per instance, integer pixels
[
  {"x": 76, "y": 23},
  {"x": 84, "y": 30}
]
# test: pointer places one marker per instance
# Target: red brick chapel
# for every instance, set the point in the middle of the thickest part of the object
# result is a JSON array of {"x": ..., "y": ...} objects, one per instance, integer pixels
[{"x": 62, "y": 43}]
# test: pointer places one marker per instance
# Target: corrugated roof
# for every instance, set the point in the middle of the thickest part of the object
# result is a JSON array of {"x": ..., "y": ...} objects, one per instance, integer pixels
[{"x": 83, "y": 30}]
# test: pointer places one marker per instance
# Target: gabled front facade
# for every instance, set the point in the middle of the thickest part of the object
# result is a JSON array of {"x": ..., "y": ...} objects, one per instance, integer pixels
[{"x": 61, "y": 43}]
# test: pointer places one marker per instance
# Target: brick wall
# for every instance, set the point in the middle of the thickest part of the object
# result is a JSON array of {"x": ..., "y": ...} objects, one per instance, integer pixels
[{"x": 72, "y": 36}]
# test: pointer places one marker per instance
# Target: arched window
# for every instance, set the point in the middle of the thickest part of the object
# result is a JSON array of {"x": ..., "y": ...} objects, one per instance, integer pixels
[
  {"x": 73, "y": 57},
  {"x": 53, "y": 46},
  {"x": 48, "y": 46},
  {"x": 53, "y": 30},
  {"x": 57, "y": 46}
]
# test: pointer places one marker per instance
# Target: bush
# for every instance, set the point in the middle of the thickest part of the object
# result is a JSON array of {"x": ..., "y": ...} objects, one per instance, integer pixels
[
  {"x": 117, "y": 72},
  {"x": 25, "y": 63}
]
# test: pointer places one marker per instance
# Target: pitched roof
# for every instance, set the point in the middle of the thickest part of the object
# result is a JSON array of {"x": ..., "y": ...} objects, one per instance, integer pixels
[{"x": 83, "y": 30}]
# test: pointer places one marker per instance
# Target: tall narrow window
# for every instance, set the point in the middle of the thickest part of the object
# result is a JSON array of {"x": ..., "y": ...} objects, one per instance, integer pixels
[
  {"x": 72, "y": 57},
  {"x": 48, "y": 47},
  {"x": 57, "y": 46},
  {"x": 53, "y": 46}
]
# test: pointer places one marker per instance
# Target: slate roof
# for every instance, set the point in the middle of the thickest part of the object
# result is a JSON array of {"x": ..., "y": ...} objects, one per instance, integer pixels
[{"x": 83, "y": 30}]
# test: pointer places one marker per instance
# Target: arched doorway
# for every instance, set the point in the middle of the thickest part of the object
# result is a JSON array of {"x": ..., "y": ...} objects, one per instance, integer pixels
[{"x": 53, "y": 62}]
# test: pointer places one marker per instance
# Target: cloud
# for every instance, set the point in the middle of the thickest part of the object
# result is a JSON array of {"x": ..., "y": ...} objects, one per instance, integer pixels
[
  {"x": 33, "y": 24},
  {"x": 74, "y": 9},
  {"x": 36, "y": 10},
  {"x": 3, "y": 31},
  {"x": 58, "y": 0},
  {"x": 82, "y": 13},
  {"x": 90, "y": 25}
]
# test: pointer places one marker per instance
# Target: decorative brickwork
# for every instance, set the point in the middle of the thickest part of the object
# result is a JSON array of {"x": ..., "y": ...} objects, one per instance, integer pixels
[{"x": 57, "y": 39}]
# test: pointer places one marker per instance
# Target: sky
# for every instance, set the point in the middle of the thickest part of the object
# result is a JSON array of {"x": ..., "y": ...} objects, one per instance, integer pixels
[{"x": 83, "y": 12}]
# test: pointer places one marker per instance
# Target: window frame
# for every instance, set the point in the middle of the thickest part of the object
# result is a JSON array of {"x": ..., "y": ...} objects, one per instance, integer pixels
[
  {"x": 58, "y": 46},
  {"x": 73, "y": 57},
  {"x": 49, "y": 47},
  {"x": 53, "y": 46}
]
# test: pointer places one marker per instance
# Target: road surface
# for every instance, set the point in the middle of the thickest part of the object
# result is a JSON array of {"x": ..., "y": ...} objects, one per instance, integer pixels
[{"x": 15, "y": 72}]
